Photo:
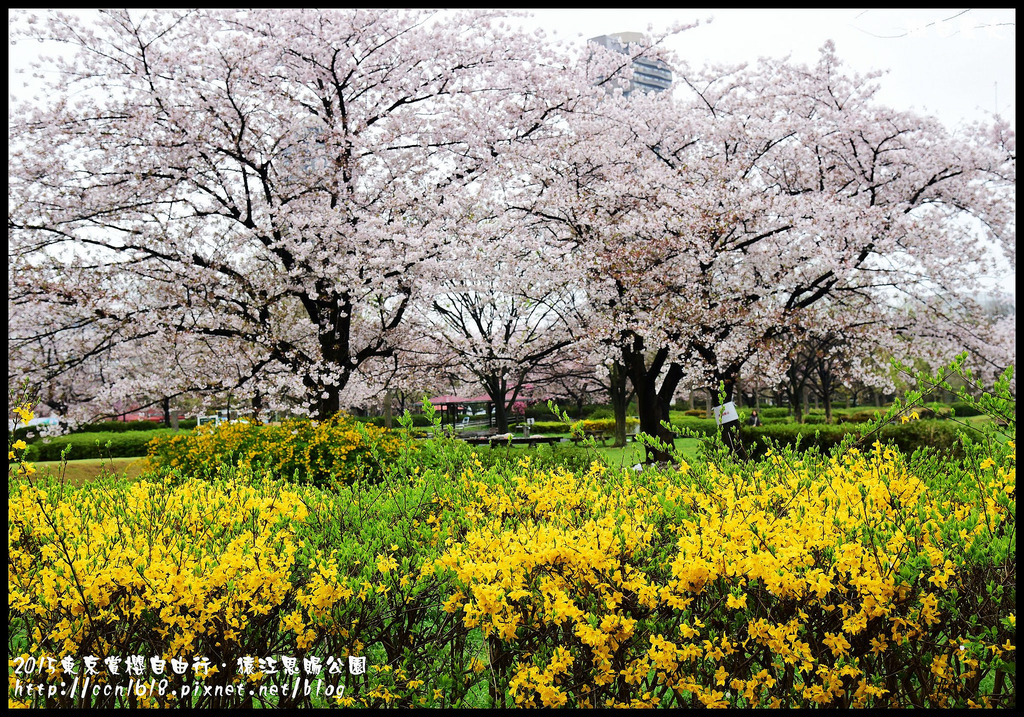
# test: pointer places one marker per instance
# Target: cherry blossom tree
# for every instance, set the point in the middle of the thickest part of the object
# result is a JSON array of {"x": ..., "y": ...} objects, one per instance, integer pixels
[
  {"x": 261, "y": 183},
  {"x": 505, "y": 314},
  {"x": 711, "y": 226}
]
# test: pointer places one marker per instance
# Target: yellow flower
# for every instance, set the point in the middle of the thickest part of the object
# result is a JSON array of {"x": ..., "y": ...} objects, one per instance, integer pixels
[
  {"x": 20, "y": 445},
  {"x": 987, "y": 463},
  {"x": 837, "y": 643},
  {"x": 736, "y": 602}
]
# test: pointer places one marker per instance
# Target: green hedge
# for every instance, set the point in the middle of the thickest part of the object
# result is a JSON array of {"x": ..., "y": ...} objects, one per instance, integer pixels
[
  {"x": 117, "y": 426},
  {"x": 128, "y": 444},
  {"x": 858, "y": 417},
  {"x": 541, "y": 412},
  {"x": 701, "y": 426},
  {"x": 940, "y": 435},
  {"x": 418, "y": 420},
  {"x": 549, "y": 427},
  {"x": 965, "y": 409},
  {"x": 597, "y": 412}
]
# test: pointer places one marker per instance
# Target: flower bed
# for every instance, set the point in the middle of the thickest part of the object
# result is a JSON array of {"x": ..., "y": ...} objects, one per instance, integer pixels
[{"x": 862, "y": 580}]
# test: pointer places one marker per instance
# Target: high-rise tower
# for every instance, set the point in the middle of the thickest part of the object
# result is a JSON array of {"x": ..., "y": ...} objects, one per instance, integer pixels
[{"x": 649, "y": 75}]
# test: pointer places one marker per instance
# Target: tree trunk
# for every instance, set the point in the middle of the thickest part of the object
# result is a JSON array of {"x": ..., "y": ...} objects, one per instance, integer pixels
[
  {"x": 794, "y": 393},
  {"x": 167, "y": 412},
  {"x": 328, "y": 403},
  {"x": 388, "y": 397},
  {"x": 731, "y": 430},
  {"x": 618, "y": 390},
  {"x": 652, "y": 403},
  {"x": 497, "y": 389},
  {"x": 825, "y": 376}
]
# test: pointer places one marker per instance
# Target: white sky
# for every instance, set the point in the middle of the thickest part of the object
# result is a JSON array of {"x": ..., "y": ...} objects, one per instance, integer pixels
[
  {"x": 953, "y": 63},
  {"x": 956, "y": 64}
]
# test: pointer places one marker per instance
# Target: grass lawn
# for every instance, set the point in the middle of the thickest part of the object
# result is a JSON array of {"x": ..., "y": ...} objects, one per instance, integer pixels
[
  {"x": 633, "y": 453},
  {"x": 86, "y": 469},
  {"x": 625, "y": 456}
]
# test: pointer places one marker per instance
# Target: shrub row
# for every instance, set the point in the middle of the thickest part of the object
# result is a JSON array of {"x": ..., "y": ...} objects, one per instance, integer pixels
[
  {"x": 607, "y": 425},
  {"x": 129, "y": 444},
  {"x": 864, "y": 580},
  {"x": 324, "y": 452},
  {"x": 120, "y": 426},
  {"x": 547, "y": 427},
  {"x": 418, "y": 420},
  {"x": 908, "y": 437},
  {"x": 700, "y": 426},
  {"x": 32, "y": 433}
]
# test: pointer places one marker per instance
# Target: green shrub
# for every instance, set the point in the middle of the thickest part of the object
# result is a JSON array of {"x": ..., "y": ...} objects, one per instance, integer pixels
[
  {"x": 787, "y": 434},
  {"x": 541, "y": 412},
  {"x": 773, "y": 412},
  {"x": 859, "y": 417},
  {"x": 418, "y": 420},
  {"x": 117, "y": 426},
  {"x": 963, "y": 410},
  {"x": 700, "y": 426},
  {"x": 596, "y": 412},
  {"x": 940, "y": 435},
  {"x": 696, "y": 413},
  {"x": 908, "y": 437},
  {"x": 28, "y": 434},
  {"x": 546, "y": 427},
  {"x": 545, "y": 457},
  {"x": 127, "y": 444}
]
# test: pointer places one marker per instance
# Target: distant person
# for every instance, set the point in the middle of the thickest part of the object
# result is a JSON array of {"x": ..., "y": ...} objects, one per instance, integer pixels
[{"x": 755, "y": 420}]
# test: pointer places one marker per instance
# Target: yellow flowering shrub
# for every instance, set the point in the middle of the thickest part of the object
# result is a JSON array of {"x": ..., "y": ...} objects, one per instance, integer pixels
[
  {"x": 799, "y": 583},
  {"x": 859, "y": 579},
  {"x": 232, "y": 567},
  {"x": 335, "y": 450}
]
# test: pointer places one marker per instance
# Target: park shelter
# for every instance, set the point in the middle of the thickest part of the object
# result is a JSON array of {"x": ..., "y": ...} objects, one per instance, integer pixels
[{"x": 452, "y": 406}]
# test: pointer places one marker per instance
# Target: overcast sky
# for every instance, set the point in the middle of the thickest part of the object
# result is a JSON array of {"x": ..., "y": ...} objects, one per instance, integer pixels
[
  {"x": 953, "y": 63},
  {"x": 956, "y": 64}
]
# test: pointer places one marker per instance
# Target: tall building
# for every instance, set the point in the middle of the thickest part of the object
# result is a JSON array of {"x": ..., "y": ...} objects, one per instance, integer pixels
[{"x": 649, "y": 75}]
